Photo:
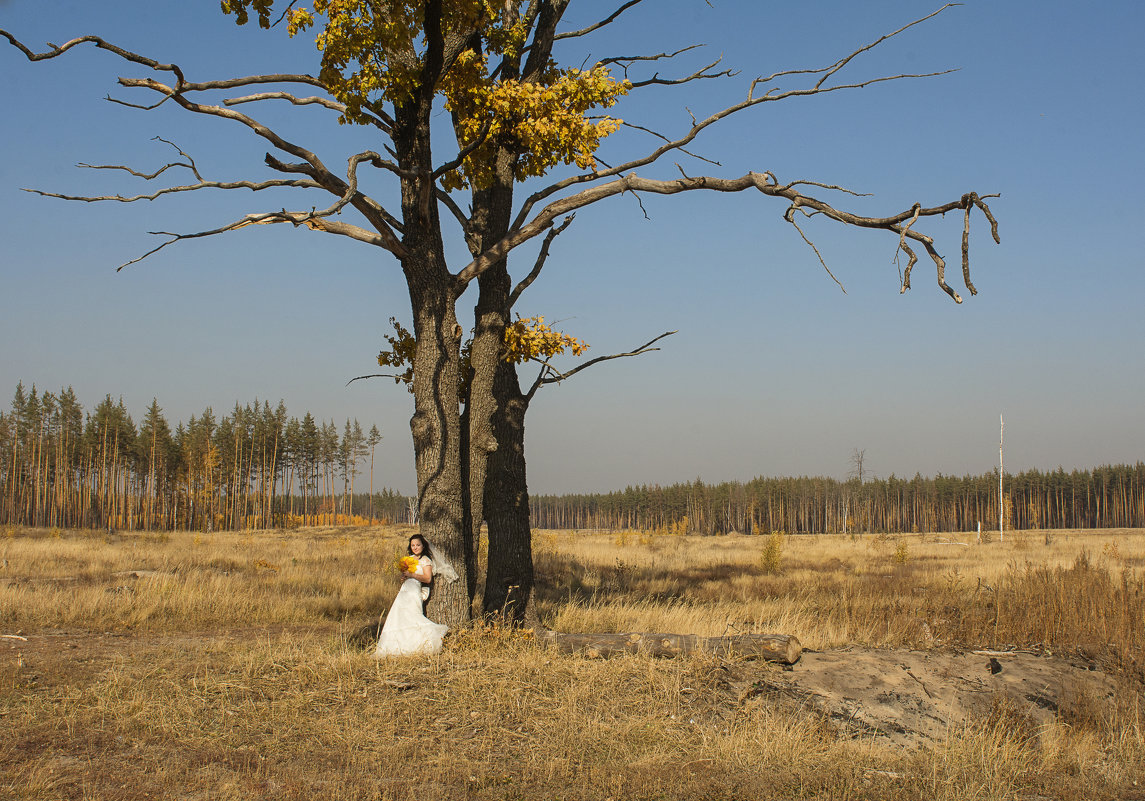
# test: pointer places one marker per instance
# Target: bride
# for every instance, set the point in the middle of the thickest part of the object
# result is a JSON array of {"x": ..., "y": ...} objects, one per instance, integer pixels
[{"x": 407, "y": 630}]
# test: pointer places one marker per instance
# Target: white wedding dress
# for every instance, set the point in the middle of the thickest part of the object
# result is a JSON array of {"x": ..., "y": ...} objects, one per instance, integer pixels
[{"x": 407, "y": 630}]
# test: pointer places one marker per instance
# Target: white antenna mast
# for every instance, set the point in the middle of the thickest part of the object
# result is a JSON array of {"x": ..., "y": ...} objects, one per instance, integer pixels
[{"x": 1001, "y": 472}]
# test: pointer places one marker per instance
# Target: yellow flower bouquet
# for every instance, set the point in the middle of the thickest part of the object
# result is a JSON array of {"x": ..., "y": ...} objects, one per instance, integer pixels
[{"x": 407, "y": 564}]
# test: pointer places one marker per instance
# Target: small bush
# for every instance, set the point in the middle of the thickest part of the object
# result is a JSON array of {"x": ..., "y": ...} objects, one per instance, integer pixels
[{"x": 771, "y": 560}]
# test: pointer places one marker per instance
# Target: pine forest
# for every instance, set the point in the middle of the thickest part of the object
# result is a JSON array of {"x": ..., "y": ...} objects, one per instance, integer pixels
[
  {"x": 254, "y": 468},
  {"x": 260, "y": 468}
]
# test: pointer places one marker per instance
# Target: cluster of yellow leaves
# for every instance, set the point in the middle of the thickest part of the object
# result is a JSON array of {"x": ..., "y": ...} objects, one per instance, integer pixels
[
  {"x": 407, "y": 564},
  {"x": 526, "y": 338},
  {"x": 544, "y": 121},
  {"x": 531, "y": 338},
  {"x": 400, "y": 354},
  {"x": 372, "y": 52}
]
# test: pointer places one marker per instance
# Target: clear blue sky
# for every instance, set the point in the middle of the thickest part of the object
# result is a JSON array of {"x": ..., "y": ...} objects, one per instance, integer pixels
[{"x": 774, "y": 371}]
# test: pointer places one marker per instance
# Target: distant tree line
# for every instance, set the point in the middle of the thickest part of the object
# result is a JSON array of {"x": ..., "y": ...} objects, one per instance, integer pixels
[
  {"x": 254, "y": 468},
  {"x": 258, "y": 467},
  {"x": 1104, "y": 497}
]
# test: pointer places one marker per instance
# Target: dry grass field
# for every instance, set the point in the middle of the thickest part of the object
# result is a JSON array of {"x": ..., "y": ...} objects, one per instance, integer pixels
[{"x": 220, "y": 666}]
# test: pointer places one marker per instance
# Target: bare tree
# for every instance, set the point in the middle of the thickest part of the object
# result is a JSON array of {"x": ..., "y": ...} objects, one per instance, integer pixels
[
  {"x": 388, "y": 78},
  {"x": 858, "y": 458}
]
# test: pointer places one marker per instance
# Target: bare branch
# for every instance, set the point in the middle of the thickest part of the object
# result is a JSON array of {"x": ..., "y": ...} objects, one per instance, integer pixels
[
  {"x": 98, "y": 42},
  {"x": 697, "y": 128},
  {"x": 978, "y": 201},
  {"x": 627, "y": 61},
  {"x": 527, "y": 281},
  {"x": 752, "y": 100},
  {"x": 182, "y": 86},
  {"x": 255, "y": 186},
  {"x": 698, "y": 75},
  {"x": 309, "y": 219},
  {"x": 843, "y": 189},
  {"x": 381, "y": 122},
  {"x": 140, "y": 106},
  {"x": 838, "y": 65},
  {"x": 285, "y": 11},
  {"x": 464, "y": 152},
  {"x": 661, "y": 136},
  {"x": 252, "y": 80},
  {"x": 790, "y": 217},
  {"x": 904, "y": 277},
  {"x": 314, "y": 166},
  {"x": 550, "y": 375},
  {"x": 190, "y": 164},
  {"x": 597, "y": 26},
  {"x": 449, "y": 203},
  {"x": 298, "y": 101},
  {"x": 314, "y": 220},
  {"x": 397, "y": 378},
  {"x": 913, "y": 220},
  {"x": 940, "y": 270},
  {"x": 369, "y": 208},
  {"x": 966, "y": 251},
  {"x": 763, "y": 182}
]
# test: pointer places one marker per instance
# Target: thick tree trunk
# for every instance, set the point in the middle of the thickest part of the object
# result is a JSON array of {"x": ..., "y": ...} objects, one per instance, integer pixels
[
  {"x": 509, "y": 574},
  {"x": 782, "y": 648},
  {"x": 436, "y": 422},
  {"x": 492, "y": 210}
]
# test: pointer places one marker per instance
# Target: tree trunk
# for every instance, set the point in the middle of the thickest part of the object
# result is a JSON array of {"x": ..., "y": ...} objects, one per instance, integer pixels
[
  {"x": 782, "y": 648},
  {"x": 509, "y": 573},
  {"x": 436, "y": 429},
  {"x": 485, "y": 401}
]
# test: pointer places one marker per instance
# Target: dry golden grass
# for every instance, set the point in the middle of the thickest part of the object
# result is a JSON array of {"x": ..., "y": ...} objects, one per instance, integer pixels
[
  {"x": 1085, "y": 590},
  {"x": 229, "y": 672}
]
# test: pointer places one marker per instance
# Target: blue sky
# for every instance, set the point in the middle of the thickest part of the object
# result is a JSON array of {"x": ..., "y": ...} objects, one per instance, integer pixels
[{"x": 774, "y": 371}]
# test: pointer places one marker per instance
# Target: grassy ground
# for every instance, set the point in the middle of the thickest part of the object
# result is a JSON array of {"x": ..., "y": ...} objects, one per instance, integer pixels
[{"x": 217, "y": 666}]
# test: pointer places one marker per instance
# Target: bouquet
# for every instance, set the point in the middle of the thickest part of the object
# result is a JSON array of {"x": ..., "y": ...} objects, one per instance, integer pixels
[{"x": 407, "y": 564}]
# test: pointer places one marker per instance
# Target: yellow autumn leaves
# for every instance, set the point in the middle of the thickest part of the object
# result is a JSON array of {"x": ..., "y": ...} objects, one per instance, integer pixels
[
  {"x": 407, "y": 564},
  {"x": 545, "y": 122},
  {"x": 372, "y": 53},
  {"x": 526, "y": 339},
  {"x": 400, "y": 354},
  {"x": 531, "y": 338}
]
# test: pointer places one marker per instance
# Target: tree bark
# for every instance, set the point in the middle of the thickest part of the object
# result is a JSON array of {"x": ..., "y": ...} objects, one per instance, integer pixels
[
  {"x": 436, "y": 422},
  {"x": 488, "y": 384},
  {"x": 509, "y": 572},
  {"x": 782, "y": 648}
]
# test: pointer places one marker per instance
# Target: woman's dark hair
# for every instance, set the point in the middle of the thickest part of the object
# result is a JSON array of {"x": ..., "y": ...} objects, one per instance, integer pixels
[{"x": 425, "y": 551}]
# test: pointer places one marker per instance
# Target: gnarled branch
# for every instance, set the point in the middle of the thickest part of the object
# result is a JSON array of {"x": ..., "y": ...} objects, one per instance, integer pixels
[
  {"x": 752, "y": 99},
  {"x": 311, "y": 220},
  {"x": 202, "y": 183},
  {"x": 763, "y": 182}
]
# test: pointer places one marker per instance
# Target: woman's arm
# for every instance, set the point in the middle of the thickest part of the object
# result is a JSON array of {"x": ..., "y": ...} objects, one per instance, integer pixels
[{"x": 425, "y": 576}]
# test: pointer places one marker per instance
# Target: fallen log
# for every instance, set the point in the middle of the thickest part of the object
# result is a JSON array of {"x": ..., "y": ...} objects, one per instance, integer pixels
[{"x": 782, "y": 648}]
